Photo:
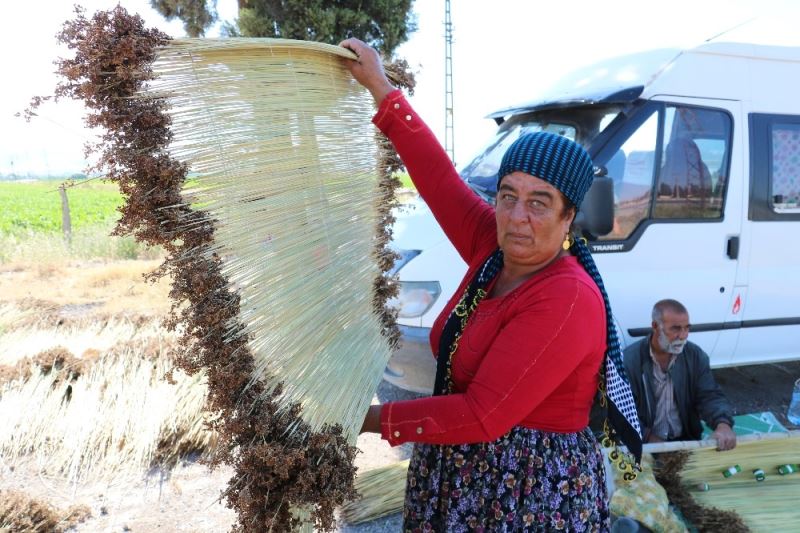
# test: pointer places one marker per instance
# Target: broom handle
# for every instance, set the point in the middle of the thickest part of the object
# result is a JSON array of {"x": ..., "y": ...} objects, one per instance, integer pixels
[{"x": 662, "y": 447}]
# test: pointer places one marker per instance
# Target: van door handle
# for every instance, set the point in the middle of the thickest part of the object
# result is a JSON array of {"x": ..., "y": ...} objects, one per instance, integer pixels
[{"x": 733, "y": 247}]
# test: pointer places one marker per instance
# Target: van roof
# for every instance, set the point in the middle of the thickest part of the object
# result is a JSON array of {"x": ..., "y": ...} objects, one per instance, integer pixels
[
  {"x": 616, "y": 80},
  {"x": 741, "y": 64}
]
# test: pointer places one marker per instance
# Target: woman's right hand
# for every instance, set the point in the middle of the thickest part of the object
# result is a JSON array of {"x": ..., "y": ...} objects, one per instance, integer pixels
[
  {"x": 372, "y": 421},
  {"x": 367, "y": 69}
]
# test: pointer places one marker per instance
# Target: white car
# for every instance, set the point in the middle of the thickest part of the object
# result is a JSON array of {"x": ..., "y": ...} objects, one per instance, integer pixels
[{"x": 703, "y": 149}]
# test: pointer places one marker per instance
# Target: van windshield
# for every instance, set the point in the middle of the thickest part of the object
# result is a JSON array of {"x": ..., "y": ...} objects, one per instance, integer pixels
[{"x": 580, "y": 124}]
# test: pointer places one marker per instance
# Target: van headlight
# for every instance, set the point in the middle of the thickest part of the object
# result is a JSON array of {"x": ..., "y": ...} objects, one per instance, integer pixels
[{"x": 415, "y": 297}]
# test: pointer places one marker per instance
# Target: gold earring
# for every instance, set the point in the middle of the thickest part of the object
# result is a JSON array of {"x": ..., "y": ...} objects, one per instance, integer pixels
[{"x": 568, "y": 241}]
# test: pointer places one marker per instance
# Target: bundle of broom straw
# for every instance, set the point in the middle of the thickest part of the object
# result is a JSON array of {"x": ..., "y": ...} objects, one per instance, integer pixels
[
  {"x": 282, "y": 144},
  {"x": 694, "y": 476},
  {"x": 276, "y": 251},
  {"x": 108, "y": 418}
]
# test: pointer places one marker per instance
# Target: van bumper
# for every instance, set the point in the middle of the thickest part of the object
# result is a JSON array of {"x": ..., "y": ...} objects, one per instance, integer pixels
[{"x": 412, "y": 366}]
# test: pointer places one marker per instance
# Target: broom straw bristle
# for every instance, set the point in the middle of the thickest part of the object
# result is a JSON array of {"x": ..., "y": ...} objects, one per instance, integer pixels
[
  {"x": 738, "y": 502},
  {"x": 287, "y": 167}
]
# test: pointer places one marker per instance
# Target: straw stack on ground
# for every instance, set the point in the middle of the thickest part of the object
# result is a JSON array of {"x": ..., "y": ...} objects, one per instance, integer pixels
[
  {"x": 272, "y": 255},
  {"x": 738, "y": 490},
  {"x": 20, "y": 513},
  {"x": 107, "y": 414},
  {"x": 382, "y": 492}
]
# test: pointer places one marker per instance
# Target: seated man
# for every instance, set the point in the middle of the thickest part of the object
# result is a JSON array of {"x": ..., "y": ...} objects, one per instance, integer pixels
[{"x": 673, "y": 385}]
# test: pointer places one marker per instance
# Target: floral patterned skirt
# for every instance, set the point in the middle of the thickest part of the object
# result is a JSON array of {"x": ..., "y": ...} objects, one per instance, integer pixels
[{"x": 527, "y": 480}]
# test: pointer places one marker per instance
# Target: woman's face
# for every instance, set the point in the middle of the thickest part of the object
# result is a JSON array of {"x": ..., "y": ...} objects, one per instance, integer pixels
[{"x": 530, "y": 222}]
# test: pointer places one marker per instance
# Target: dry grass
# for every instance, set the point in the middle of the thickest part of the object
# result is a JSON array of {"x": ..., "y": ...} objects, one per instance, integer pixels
[
  {"x": 116, "y": 420},
  {"x": 19, "y": 513},
  {"x": 84, "y": 338},
  {"x": 109, "y": 287},
  {"x": 90, "y": 399},
  {"x": 382, "y": 492},
  {"x": 87, "y": 244}
]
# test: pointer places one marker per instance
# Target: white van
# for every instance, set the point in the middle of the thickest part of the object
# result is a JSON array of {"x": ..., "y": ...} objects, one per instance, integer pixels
[{"x": 703, "y": 149}]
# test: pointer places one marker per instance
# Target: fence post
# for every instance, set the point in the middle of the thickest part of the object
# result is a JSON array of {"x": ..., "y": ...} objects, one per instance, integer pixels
[{"x": 66, "y": 222}]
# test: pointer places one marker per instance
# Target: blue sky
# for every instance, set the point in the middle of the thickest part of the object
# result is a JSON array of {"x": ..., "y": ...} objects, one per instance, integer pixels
[{"x": 502, "y": 55}]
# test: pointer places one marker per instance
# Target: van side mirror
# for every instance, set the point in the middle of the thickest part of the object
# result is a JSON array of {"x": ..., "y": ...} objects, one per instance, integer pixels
[{"x": 596, "y": 213}]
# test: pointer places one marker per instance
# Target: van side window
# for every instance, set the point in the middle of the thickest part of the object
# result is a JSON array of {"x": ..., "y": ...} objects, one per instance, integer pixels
[
  {"x": 774, "y": 167},
  {"x": 631, "y": 169},
  {"x": 673, "y": 166},
  {"x": 693, "y": 173},
  {"x": 785, "y": 168}
]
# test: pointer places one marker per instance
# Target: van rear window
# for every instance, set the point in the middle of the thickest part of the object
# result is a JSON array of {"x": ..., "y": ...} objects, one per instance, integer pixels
[{"x": 785, "y": 171}]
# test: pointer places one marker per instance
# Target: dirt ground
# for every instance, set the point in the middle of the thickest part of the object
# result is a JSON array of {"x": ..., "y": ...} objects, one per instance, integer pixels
[{"x": 760, "y": 388}]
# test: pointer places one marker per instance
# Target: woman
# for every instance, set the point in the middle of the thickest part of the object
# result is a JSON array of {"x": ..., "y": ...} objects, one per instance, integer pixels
[{"x": 503, "y": 444}]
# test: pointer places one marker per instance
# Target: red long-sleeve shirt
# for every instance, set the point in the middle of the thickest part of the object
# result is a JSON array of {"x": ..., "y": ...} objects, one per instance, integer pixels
[{"x": 529, "y": 358}]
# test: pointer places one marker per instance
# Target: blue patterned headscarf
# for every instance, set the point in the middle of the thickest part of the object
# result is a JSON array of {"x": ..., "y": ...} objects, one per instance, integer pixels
[{"x": 567, "y": 166}]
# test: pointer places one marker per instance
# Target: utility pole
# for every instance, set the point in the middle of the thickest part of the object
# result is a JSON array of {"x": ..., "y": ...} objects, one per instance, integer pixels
[
  {"x": 449, "y": 143},
  {"x": 66, "y": 220}
]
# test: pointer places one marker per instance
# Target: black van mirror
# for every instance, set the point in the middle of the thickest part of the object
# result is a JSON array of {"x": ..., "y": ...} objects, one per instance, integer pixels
[{"x": 596, "y": 214}]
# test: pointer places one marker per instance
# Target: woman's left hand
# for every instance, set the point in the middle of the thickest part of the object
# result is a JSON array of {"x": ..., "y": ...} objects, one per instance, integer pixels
[
  {"x": 372, "y": 422},
  {"x": 367, "y": 69}
]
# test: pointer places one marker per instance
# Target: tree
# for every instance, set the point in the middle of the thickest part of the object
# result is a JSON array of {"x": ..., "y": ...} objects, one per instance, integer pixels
[
  {"x": 197, "y": 15},
  {"x": 384, "y": 24}
]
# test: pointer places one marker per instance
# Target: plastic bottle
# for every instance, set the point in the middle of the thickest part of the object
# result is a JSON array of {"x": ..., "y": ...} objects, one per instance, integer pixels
[{"x": 794, "y": 407}]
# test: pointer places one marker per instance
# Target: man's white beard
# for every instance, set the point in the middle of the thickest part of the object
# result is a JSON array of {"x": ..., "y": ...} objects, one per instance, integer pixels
[{"x": 675, "y": 347}]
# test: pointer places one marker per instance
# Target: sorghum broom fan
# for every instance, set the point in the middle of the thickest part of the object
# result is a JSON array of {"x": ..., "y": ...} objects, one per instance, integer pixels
[{"x": 272, "y": 248}]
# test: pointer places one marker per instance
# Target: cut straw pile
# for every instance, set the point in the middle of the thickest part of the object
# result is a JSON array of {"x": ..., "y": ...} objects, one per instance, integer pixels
[
  {"x": 769, "y": 505},
  {"x": 110, "y": 414},
  {"x": 382, "y": 492}
]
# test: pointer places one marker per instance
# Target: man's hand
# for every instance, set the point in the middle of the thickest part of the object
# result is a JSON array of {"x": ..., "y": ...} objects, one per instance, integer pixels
[{"x": 726, "y": 438}]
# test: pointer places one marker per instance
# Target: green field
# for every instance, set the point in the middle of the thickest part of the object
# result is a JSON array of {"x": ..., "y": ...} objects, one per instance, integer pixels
[
  {"x": 405, "y": 180},
  {"x": 36, "y": 206},
  {"x": 30, "y": 223}
]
